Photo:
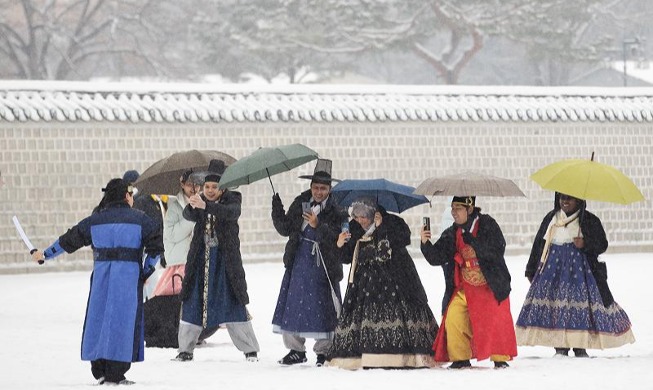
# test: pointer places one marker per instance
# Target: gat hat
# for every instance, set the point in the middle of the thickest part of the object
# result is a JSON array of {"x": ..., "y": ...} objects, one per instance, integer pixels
[
  {"x": 130, "y": 176},
  {"x": 467, "y": 201},
  {"x": 216, "y": 169},
  {"x": 321, "y": 173}
]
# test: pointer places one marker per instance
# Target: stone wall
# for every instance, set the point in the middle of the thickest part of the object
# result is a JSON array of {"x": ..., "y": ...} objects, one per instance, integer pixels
[{"x": 54, "y": 171}]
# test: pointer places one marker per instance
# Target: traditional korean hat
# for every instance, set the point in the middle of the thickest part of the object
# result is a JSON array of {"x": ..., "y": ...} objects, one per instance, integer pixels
[{"x": 322, "y": 173}]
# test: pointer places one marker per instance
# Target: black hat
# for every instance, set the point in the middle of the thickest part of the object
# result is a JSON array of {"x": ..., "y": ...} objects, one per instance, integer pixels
[
  {"x": 130, "y": 176},
  {"x": 467, "y": 201},
  {"x": 216, "y": 169},
  {"x": 322, "y": 173}
]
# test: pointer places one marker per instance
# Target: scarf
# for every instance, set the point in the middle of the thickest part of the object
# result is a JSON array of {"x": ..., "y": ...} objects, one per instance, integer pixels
[
  {"x": 562, "y": 229},
  {"x": 367, "y": 237}
]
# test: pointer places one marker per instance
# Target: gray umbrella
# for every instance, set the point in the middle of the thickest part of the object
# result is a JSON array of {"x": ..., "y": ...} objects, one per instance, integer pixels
[
  {"x": 162, "y": 177},
  {"x": 468, "y": 184}
]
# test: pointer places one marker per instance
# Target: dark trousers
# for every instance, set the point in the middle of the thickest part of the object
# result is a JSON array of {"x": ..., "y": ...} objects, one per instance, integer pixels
[{"x": 111, "y": 370}]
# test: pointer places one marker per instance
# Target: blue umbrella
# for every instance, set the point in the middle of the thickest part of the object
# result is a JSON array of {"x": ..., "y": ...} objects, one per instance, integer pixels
[{"x": 391, "y": 196}]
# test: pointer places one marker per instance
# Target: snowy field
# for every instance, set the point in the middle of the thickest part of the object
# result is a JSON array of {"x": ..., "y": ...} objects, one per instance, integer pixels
[{"x": 41, "y": 317}]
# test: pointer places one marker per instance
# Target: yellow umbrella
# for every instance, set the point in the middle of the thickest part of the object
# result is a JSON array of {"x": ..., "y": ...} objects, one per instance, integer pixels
[{"x": 588, "y": 179}]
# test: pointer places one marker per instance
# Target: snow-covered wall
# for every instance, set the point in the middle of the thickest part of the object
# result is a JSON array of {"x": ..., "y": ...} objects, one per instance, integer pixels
[{"x": 61, "y": 144}]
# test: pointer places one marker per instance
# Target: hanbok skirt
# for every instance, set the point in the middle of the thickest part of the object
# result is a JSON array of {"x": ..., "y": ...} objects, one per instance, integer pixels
[
  {"x": 222, "y": 306},
  {"x": 564, "y": 309},
  {"x": 305, "y": 305},
  {"x": 380, "y": 327}
]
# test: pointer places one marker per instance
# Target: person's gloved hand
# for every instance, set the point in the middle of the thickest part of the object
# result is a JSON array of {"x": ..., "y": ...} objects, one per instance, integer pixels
[
  {"x": 149, "y": 266},
  {"x": 276, "y": 201}
]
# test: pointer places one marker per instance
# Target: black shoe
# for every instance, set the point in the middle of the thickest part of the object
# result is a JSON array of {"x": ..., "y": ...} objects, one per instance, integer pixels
[
  {"x": 321, "y": 358},
  {"x": 457, "y": 365},
  {"x": 184, "y": 357},
  {"x": 580, "y": 353},
  {"x": 501, "y": 365},
  {"x": 251, "y": 357},
  {"x": 293, "y": 357},
  {"x": 561, "y": 352},
  {"x": 125, "y": 382}
]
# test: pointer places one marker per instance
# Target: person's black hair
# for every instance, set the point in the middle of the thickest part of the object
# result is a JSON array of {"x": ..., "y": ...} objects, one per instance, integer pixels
[{"x": 114, "y": 192}]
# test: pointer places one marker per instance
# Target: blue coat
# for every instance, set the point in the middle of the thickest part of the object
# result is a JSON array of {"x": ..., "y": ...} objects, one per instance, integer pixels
[{"x": 118, "y": 234}]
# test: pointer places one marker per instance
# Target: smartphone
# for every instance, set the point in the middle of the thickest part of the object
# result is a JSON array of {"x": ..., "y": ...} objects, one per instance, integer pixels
[
  {"x": 344, "y": 228},
  {"x": 426, "y": 221},
  {"x": 306, "y": 207}
]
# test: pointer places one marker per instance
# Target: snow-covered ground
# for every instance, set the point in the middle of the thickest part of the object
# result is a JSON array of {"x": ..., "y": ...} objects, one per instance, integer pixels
[{"x": 41, "y": 317}]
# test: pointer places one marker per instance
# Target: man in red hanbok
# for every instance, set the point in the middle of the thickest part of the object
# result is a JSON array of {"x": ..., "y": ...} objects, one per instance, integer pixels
[{"x": 476, "y": 307}]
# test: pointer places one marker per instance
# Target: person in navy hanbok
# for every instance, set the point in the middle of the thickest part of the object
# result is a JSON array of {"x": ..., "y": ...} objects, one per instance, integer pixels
[
  {"x": 309, "y": 298},
  {"x": 118, "y": 234},
  {"x": 214, "y": 290},
  {"x": 569, "y": 304}
]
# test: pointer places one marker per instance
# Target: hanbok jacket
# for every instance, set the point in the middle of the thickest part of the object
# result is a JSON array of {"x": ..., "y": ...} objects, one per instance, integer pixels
[
  {"x": 227, "y": 211},
  {"x": 290, "y": 224}
]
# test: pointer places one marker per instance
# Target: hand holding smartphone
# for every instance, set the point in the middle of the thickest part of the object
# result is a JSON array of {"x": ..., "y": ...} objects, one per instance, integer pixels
[
  {"x": 345, "y": 228},
  {"x": 426, "y": 221},
  {"x": 306, "y": 208}
]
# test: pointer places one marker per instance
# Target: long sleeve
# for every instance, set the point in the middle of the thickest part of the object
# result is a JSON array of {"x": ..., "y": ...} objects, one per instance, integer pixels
[
  {"x": 442, "y": 251},
  {"x": 285, "y": 223},
  {"x": 228, "y": 208},
  {"x": 175, "y": 227}
]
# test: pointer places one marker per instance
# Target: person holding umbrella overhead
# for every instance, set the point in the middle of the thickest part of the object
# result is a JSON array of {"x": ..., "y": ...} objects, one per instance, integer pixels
[
  {"x": 113, "y": 327},
  {"x": 386, "y": 321},
  {"x": 214, "y": 289},
  {"x": 309, "y": 298},
  {"x": 569, "y": 304},
  {"x": 476, "y": 322}
]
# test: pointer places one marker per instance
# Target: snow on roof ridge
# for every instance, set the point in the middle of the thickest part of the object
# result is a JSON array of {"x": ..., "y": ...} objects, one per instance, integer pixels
[{"x": 74, "y": 101}]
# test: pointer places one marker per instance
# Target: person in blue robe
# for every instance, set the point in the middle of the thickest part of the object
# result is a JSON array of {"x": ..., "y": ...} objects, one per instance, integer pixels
[{"x": 113, "y": 328}]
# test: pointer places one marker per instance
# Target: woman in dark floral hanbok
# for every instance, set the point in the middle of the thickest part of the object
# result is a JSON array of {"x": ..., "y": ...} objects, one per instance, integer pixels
[
  {"x": 569, "y": 304},
  {"x": 386, "y": 321}
]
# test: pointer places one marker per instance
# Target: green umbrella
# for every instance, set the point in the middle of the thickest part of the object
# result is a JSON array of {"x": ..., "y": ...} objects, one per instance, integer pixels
[{"x": 266, "y": 162}]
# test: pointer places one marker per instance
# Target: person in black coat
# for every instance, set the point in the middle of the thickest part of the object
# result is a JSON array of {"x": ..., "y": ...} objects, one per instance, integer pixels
[
  {"x": 477, "y": 322},
  {"x": 386, "y": 321},
  {"x": 309, "y": 297},
  {"x": 214, "y": 289},
  {"x": 569, "y": 304}
]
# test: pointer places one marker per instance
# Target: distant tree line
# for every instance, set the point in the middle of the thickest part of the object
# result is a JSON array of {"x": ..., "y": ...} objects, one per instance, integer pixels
[{"x": 540, "y": 42}]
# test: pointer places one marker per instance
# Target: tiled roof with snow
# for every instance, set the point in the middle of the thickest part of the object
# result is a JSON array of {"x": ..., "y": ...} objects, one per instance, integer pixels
[{"x": 23, "y": 101}]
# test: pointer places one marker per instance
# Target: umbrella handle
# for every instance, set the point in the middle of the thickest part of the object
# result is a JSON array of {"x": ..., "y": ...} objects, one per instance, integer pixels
[{"x": 269, "y": 178}]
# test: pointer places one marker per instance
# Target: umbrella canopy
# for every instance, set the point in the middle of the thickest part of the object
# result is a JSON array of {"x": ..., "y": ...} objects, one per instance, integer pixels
[
  {"x": 266, "y": 162},
  {"x": 162, "y": 177},
  {"x": 588, "y": 179},
  {"x": 469, "y": 184},
  {"x": 391, "y": 196}
]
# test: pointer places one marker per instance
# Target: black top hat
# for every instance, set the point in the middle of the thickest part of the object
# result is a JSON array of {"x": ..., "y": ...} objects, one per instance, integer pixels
[
  {"x": 216, "y": 169},
  {"x": 322, "y": 173}
]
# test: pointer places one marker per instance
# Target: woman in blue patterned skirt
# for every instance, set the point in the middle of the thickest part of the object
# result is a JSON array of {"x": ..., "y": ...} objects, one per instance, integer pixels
[{"x": 569, "y": 304}]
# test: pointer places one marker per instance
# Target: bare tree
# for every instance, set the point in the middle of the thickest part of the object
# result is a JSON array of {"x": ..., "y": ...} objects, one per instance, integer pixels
[{"x": 69, "y": 39}]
